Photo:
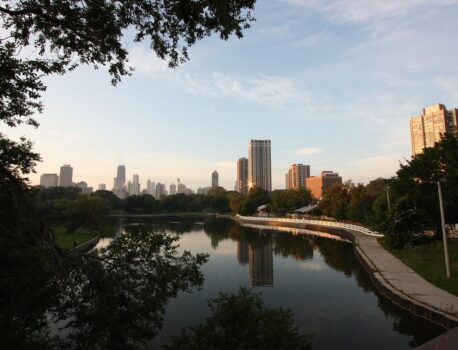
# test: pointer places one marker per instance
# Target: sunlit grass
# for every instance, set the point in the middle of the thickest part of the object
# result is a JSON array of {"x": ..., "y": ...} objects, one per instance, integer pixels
[{"x": 428, "y": 261}]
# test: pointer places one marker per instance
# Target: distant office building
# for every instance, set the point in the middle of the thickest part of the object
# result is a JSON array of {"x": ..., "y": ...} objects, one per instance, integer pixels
[
  {"x": 318, "y": 185},
  {"x": 172, "y": 189},
  {"x": 242, "y": 252},
  {"x": 203, "y": 190},
  {"x": 215, "y": 179},
  {"x": 84, "y": 187},
  {"x": 120, "y": 179},
  {"x": 151, "y": 188},
  {"x": 134, "y": 186},
  {"x": 181, "y": 188},
  {"x": 241, "y": 186},
  {"x": 427, "y": 129},
  {"x": 66, "y": 176},
  {"x": 296, "y": 176},
  {"x": 260, "y": 264},
  {"x": 102, "y": 187},
  {"x": 160, "y": 190},
  {"x": 259, "y": 164},
  {"x": 49, "y": 180}
]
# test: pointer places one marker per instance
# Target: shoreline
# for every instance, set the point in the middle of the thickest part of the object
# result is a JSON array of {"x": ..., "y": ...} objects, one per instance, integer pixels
[{"x": 391, "y": 278}]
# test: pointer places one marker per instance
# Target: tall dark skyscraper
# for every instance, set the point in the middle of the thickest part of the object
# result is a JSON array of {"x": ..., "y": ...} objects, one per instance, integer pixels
[
  {"x": 259, "y": 165},
  {"x": 215, "y": 179},
  {"x": 120, "y": 179}
]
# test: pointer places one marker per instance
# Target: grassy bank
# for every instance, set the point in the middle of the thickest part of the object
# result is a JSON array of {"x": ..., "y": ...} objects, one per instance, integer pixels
[
  {"x": 428, "y": 261},
  {"x": 68, "y": 241}
]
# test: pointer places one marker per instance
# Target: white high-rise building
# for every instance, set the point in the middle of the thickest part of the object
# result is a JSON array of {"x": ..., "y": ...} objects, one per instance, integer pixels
[
  {"x": 259, "y": 164},
  {"x": 160, "y": 190},
  {"x": 49, "y": 180},
  {"x": 151, "y": 187},
  {"x": 102, "y": 187},
  {"x": 134, "y": 186},
  {"x": 66, "y": 176},
  {"x": 173, "y": 189},
  {"x": 215, "y": 179}
]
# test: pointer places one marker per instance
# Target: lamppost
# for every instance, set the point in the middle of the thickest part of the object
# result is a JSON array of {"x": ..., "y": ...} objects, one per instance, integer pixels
[
  {"x": 444, "y": 232},
  {"x": 388, "y": 197}
]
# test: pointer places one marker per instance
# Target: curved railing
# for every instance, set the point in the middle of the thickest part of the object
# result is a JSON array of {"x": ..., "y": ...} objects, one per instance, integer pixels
[{"x": 362, "y": 229}]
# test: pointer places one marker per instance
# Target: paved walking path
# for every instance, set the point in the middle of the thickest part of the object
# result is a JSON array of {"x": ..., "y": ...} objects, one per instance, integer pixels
[{"x": 405, "y": 287}]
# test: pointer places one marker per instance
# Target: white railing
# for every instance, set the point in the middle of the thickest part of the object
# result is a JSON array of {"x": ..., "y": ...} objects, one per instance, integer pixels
[{"x": 358, "y": 228}]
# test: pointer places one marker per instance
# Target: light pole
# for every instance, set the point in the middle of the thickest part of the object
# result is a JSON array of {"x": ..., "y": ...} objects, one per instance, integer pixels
[
  {"x": 388, "y": 197},
  {"x": 444, "y": 232}
]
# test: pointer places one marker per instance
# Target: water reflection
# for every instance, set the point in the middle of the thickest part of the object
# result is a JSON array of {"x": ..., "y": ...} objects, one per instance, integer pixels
[{"x": 317, "y": 275}]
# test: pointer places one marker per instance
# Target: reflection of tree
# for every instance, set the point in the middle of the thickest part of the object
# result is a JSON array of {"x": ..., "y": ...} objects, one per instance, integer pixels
[
  {"x": 341, "y": 257},
  {"x": 112, "y": 300},
  {"x": 408, "y": 324},
  {"x": 241, "y": 321},
  {"x": 300, "y": 248},
  {"x": 217, "y": 229}
]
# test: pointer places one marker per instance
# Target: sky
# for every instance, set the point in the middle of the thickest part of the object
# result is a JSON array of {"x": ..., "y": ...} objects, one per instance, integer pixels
[{"x": 332, "y": 83}]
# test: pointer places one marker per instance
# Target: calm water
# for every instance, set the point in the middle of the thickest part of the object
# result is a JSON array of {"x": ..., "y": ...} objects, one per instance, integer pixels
[{"x": 318, "y": 278}]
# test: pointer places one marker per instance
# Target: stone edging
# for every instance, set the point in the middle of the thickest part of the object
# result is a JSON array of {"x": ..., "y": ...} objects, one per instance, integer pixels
[{"x": 84, "y": 247}]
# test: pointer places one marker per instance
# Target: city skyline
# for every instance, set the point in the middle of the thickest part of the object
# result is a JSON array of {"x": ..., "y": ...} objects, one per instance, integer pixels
[{"x": 346, "y": 111}]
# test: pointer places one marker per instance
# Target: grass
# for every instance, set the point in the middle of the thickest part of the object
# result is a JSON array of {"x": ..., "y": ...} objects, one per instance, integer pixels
[
  {"x": 429, "y": 262},
  {"x": 70, "y": 240}
]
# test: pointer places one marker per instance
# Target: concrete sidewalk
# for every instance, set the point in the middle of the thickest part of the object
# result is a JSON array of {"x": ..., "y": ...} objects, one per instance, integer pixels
[{"x": 403, "y": 286}]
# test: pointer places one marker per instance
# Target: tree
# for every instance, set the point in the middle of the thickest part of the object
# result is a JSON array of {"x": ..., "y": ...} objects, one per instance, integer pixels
[
  {"x": 69, "y": 33},
  {"x": 242, "y": 321},
  {"x": 286, "y": 201},
  {"x": 256, "y": 197}
]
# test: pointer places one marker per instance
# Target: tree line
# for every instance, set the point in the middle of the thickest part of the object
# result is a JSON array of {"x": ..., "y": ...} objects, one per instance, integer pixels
[{"x": 406, "y": 205}]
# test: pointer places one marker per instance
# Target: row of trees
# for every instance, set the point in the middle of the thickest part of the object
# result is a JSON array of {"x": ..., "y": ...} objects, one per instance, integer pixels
[{"x": 413, "y": 195}]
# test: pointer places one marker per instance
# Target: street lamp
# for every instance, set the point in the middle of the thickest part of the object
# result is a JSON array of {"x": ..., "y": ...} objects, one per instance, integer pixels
[
  {"x": 444, "y": 232},
  {"x": 388, "y": 197}
]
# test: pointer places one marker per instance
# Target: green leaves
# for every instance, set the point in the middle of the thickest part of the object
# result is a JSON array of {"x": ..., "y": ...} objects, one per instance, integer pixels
[{"x": 242, "y": 321}]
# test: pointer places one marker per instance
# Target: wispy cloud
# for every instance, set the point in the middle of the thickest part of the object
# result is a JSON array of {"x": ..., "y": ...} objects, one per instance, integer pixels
[
  {"x": 309, "y": 151},
  {"x": 261, "y": 89},
  {"x": 366, "y": 11},
  {"x": 146, "y": 61}
]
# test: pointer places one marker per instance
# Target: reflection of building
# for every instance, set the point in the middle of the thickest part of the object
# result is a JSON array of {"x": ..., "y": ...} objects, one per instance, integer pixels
[
  {"x": 260, "y": 259},
  {"x": 215, "y": 179},
  {"x": 427, "y": 129},
  {"x": 259, "y": 165},
  {"x": 318, "y": 185},
  {"x": 49, "y": 180},
  {"x": 241, "y": 186},
  {"x": 242, "y": 252},
  {"x": 66, "y": 176},
  {"x": 296, "y": 176}
]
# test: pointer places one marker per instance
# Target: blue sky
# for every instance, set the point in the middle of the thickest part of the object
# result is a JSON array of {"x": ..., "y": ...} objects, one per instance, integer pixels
[{"x": 332, "y": 83}]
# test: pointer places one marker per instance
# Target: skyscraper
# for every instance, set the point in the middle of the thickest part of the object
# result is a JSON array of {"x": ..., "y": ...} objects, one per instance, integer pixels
[
  {"x": 172, "y": 189},
  {"x": 134, "y": 186},
  {"x": 427, "y": 129},
  {"x": 160, "y": 190},
  {"x": 49, "y": 180},
  {"x": 120, "y": 179},
  {"x": 102, "y": 187},
  {"x": 259, "y": 165},
  {"x": 242, "y": 176},
  {"x": 151, "y": 187},
  {"x": 215, "y": 179},
  {"x": 66, "y": 176},
  {"x": 296, "y": 176}
]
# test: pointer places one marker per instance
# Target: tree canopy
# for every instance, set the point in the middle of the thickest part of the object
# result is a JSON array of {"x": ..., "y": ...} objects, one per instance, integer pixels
[{"x": 65, "y": 33}]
